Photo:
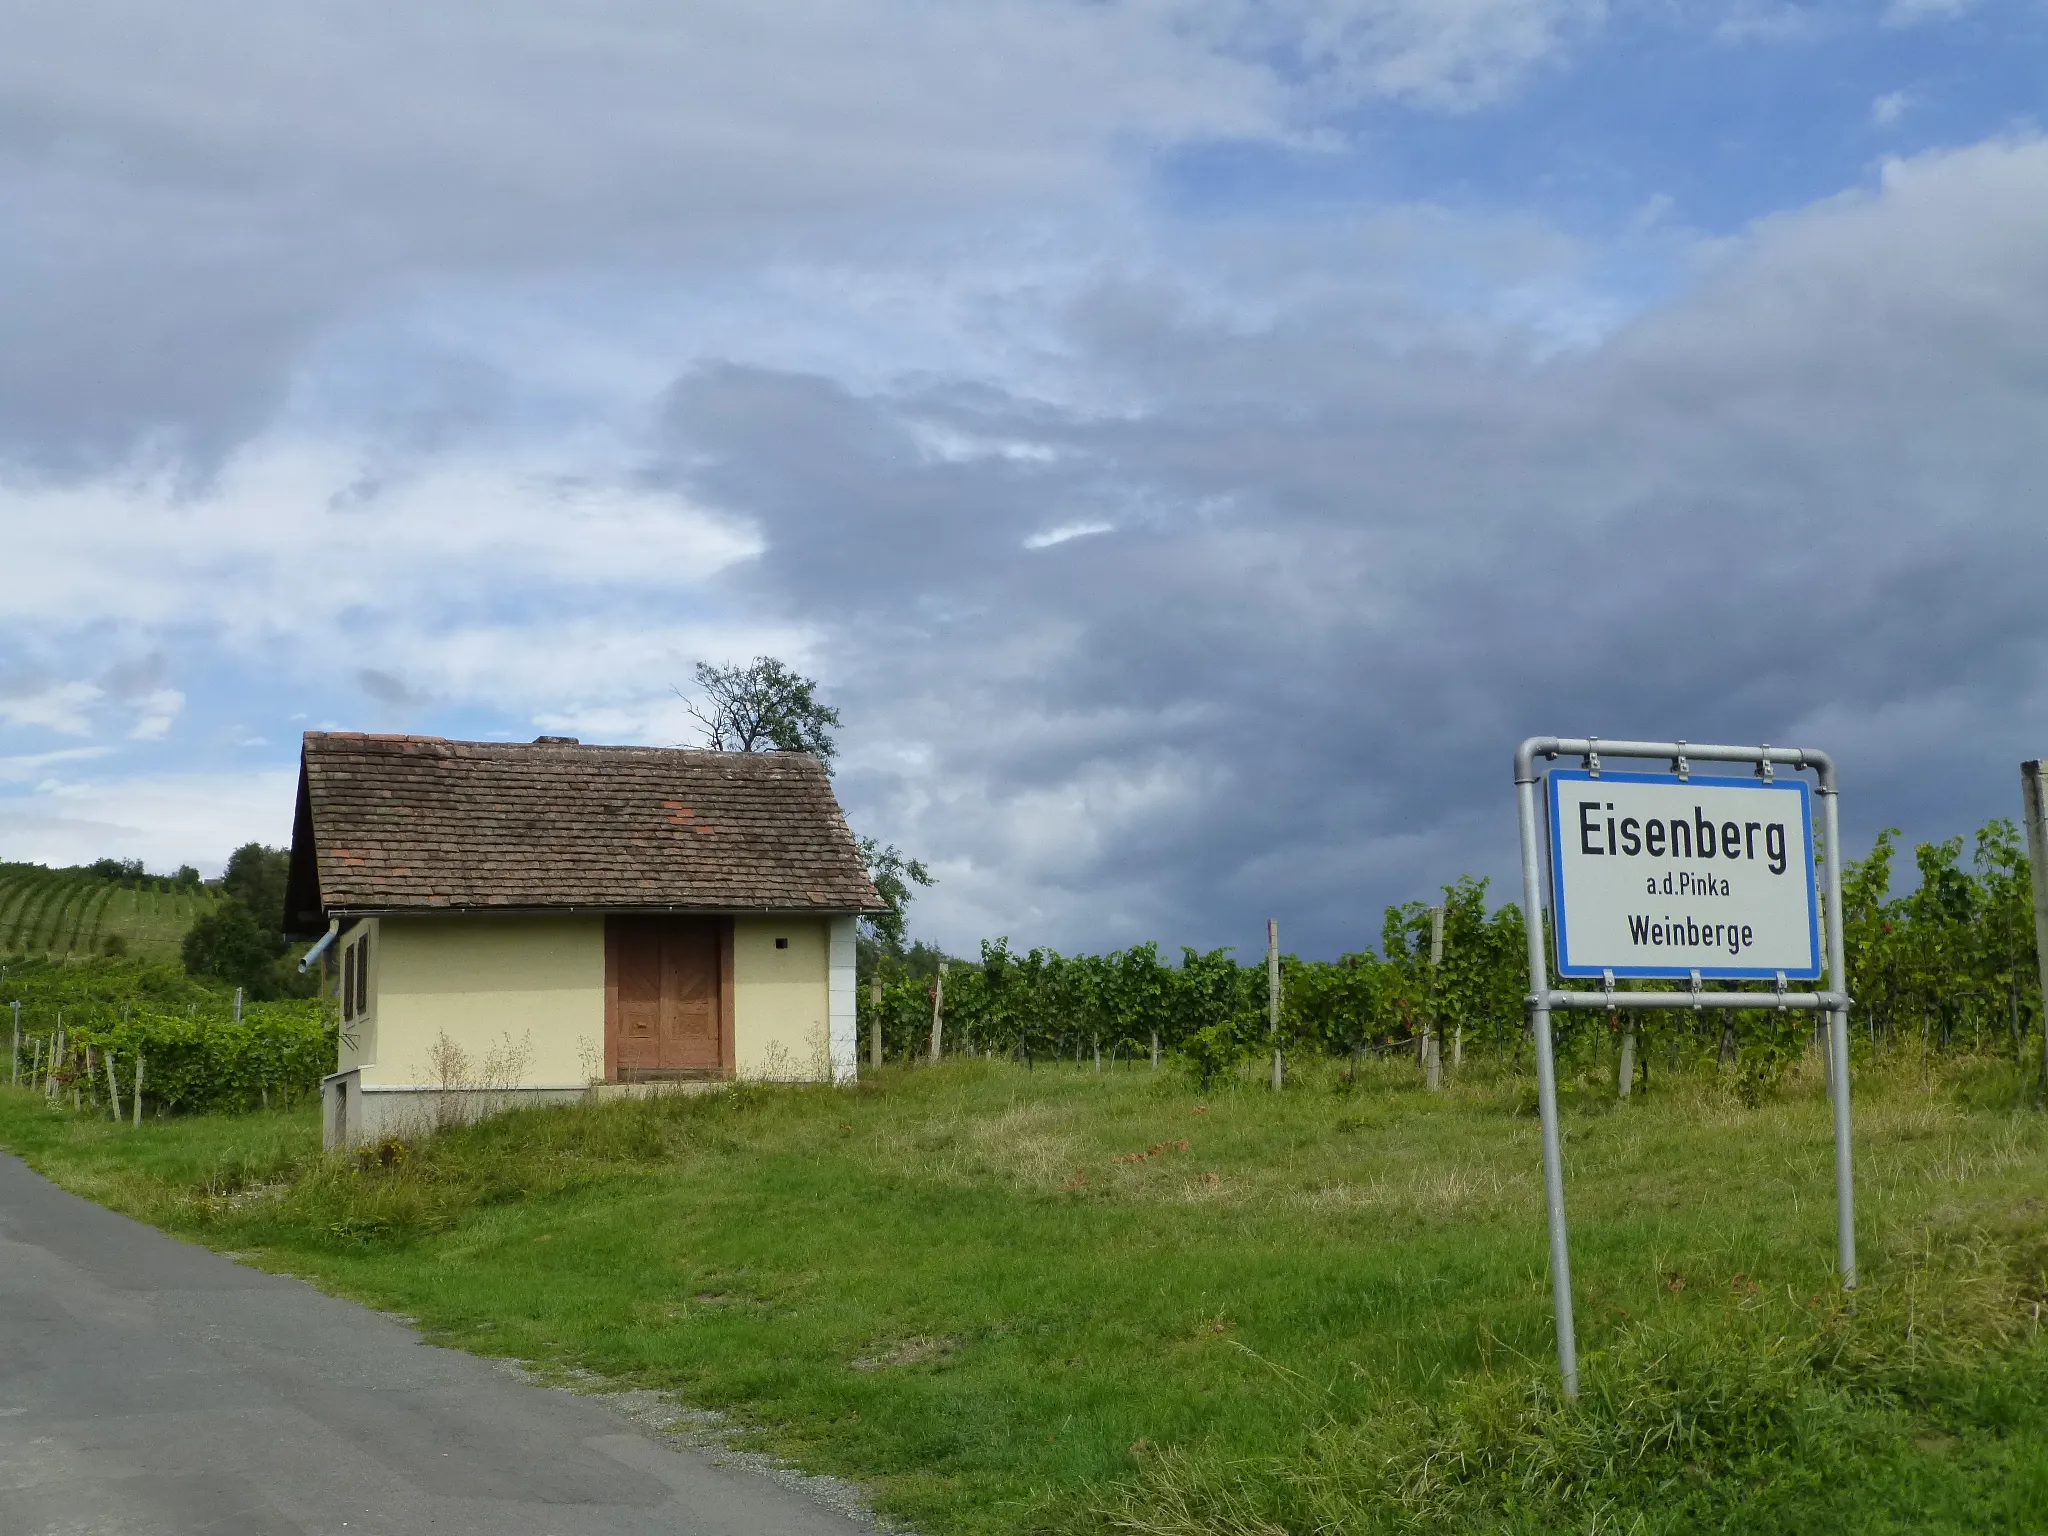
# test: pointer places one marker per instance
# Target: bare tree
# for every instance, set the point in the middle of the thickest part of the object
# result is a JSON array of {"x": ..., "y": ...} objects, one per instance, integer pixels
[{"x": 763, "y": 707}]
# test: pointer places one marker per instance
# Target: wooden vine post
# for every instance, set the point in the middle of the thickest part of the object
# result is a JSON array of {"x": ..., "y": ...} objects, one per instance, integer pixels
[
  {"x": 2034, "y": 799},
  {"x": 1273, "y": 1001},
  {"x": 938, "y": 1010},
  {"x": 1432, "y": 1045}
]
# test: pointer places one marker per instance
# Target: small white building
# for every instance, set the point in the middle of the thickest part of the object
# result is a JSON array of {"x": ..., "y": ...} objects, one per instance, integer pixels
[{"x": 519, "y": 923}]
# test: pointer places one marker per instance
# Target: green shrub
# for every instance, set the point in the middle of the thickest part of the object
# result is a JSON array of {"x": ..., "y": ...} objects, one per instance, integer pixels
[
  {"x": 1213, "y": 1053},
  {"x": 277, "y": 1053},
  {"x": 196, "y": 1054}
]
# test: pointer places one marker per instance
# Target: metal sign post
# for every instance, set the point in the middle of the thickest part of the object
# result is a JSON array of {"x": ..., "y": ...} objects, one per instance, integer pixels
[
  {"x": 1669, "y": 875},
  {"x": 2034, "y": 800}
]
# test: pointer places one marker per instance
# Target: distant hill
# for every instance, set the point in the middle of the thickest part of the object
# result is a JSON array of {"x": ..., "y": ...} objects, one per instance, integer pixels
[{"x": 99, "y": 909}]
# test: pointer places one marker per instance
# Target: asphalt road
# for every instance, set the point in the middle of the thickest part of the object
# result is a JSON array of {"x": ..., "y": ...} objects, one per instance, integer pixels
[{"x": 150, "y": 1388}]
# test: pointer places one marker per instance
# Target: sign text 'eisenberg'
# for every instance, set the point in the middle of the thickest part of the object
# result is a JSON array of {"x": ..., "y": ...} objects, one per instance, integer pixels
[{"x": 1653, "y": 875}]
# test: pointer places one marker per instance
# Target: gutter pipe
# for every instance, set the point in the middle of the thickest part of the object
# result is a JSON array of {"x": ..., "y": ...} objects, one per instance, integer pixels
[{"x": 333, "y": 931}]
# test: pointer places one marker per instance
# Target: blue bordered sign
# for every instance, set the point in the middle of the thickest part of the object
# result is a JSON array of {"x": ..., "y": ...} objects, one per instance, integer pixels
[{"x": 1654, "y": 875}]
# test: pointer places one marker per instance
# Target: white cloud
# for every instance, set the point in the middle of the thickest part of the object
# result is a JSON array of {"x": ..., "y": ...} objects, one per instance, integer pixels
[
  {"x": 738, "y": 108},
  {"x": 1445, "y": 54},
  {"x": 79, "y": 708},
  {"x": 1887, "y": 109},
  {"x": 1911, "y": 13},
  {"x": 589, "y": 672},
  {"x": 1767, "y": 21},
  {"x": 159, "y": 711},
  {"x": 184, "y": 239},
  {"x": 1065, "y": 533},
  {"x": 164, "y": 820},
  {"x": 535, "y": 587},
  {"x": 60, "y": 707},
  {"x": 308, "y": 540},
  {"x": 947, "y": 444},
  {"x": 34, "y": 766}
]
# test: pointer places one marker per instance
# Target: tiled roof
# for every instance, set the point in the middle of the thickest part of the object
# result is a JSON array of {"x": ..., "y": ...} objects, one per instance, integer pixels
[{"x": 396, "y": 822}]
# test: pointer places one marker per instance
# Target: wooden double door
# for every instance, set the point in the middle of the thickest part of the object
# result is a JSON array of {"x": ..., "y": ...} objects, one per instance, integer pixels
[{"x": 668, "y": 998}]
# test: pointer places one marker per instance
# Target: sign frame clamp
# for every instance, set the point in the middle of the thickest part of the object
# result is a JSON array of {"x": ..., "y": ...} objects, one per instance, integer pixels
[{"x": 1831, "y": 1001}]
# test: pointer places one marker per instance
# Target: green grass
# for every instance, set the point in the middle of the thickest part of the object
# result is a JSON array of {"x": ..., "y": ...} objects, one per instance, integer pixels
[
  {"x": 1328, "y": 1312},
  {"x": 73, "y": 913}
]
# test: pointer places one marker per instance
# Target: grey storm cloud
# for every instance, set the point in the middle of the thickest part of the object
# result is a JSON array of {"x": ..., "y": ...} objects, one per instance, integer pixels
[{"x": 1799, "y": 505}]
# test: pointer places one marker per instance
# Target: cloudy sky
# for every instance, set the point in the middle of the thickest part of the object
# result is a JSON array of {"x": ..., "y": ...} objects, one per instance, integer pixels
[{"x": 1191, "y": 440}]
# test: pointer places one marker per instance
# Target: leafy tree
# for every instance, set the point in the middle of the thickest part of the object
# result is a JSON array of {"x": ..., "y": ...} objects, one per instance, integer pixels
[
  {"x": 1484, "y": 975},
  {"x": 1868, "y": 933},
  {"x": 241, "y": 942},
  {"x": 1338, "y": 1009},
  {"x": 893, "y": 876},
  {"x": 767, "y": 706},
  {"x": 255, "y": 876},
  {"x": 764, "y": 706},
  {"x": 2007, "y": 965},
  {"x": 233, "y": 945},
  {"x": 1953, "y": 963}
]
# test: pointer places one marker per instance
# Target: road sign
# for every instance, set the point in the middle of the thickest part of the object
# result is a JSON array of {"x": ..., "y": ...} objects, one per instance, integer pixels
[
  {"x": 1671, "y": 875},
  {"x": 1654, "y": 875}
]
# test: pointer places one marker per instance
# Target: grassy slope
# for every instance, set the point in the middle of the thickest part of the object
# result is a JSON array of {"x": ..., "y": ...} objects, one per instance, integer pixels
[{"x": 950, "y": 1286}]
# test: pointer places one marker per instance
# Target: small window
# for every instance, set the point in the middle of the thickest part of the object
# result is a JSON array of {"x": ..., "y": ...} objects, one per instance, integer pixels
[
  {"x": 348, "y": 982},
  {"x": 363, "y": 975},
  {"x": 782, "y": 943}
]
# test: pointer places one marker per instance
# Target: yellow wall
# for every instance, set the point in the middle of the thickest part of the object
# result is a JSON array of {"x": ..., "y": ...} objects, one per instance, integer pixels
[
  {"x": 522, "y": 999},
  {"x": 781, "y": 997}
]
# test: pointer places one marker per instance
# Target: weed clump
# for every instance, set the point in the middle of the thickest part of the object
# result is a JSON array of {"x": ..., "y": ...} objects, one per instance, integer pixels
[{"x": 1678, "y": 1427}]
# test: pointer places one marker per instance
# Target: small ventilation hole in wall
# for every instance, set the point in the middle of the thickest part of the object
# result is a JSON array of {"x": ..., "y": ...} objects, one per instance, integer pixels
[{"x": 782, "y": 943}]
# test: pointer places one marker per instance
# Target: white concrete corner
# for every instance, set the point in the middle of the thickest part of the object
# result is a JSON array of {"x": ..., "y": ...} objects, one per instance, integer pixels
[{"x": 843, "y": 1029}]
